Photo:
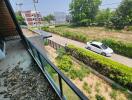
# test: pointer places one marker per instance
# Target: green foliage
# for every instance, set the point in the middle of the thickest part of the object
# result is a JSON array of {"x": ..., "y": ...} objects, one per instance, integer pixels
[
  {"x": 61, "y": 52},
  {"x": 79, "y": 73},
  {"x": 128, "y": 28},
  {"x": 103, "y": 17},
  {"x": 98, "y": 97},
  {"x": 65, "y": 63},
  {"x": 97, "y": 87},
  {"x": 119, "y": 47},
  {"x": 84, "y": 11},
  {"x": 71, "y": 35},
  {"x": 87, "y": 88},
  {"x": 113, "y": 94},
  {"x": 120, "y": 73},
  {"x": 48, "y": 18},
  {"x": 20, "y": 19},
  {"x": 123, "y": 15}
]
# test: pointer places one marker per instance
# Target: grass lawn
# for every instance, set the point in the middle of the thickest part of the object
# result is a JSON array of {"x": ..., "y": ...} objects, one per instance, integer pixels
[{"x": 99, "y": 33}]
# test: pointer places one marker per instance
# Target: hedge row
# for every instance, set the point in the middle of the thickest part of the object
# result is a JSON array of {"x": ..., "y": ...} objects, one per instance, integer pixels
[
  {"x": 118, "y": 72},
  {"x": 71, "y": 35},
  {"x": 119, "y": 47}
]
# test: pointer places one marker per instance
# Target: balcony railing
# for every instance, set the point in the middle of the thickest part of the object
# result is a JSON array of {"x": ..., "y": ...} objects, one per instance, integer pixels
[{"x": 61, "y": 84}]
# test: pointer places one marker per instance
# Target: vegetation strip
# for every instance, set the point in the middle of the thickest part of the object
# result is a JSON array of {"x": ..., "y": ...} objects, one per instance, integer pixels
[
  {"x": 113, "y": 70},
  {"x": 122, "y": 48},
  {"x": 119, "y": 47},
  {"x": 71, "y": 35}
]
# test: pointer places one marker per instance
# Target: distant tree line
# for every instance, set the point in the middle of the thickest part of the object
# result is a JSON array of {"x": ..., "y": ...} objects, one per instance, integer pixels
[{"x": 87, "y": 13}]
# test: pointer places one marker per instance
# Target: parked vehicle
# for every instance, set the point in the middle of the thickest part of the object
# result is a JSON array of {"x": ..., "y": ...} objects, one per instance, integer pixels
[{"x": 100, "y": 48}]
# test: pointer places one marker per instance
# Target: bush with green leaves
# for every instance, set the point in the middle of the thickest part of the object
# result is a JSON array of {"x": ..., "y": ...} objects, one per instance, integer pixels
[
  {"x": 119, "y": 47},
  {"x": 65, "y": 63},
  {"x": 120, "y": 73},
  {"x": 71, "y": 35}
]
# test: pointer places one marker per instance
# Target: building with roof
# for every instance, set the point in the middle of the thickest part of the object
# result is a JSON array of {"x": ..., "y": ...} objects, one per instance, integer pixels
[{"x": 32, "y": 18}]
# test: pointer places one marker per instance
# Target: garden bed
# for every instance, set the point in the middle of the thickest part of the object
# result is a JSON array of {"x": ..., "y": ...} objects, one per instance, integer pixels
[{"x": 90, "y": 84}]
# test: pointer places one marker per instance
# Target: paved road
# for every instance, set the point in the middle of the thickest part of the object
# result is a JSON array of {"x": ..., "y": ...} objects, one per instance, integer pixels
[
  {"x": 62, "y": 40},
  {"x": 115, "y": 57}
]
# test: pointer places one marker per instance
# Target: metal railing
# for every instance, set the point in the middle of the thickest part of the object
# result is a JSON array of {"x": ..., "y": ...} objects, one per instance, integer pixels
[{"x": 61, "y": 84}]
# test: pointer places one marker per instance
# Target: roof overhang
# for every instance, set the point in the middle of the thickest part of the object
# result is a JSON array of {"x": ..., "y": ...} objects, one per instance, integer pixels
[{"x": 7, "y": 26}]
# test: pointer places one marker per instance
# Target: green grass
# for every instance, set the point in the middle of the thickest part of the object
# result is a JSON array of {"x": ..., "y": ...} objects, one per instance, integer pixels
[{"x": 87, "y": 88}]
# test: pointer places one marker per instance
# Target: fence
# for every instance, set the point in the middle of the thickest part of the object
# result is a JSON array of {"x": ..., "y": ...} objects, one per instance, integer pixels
[
  {"x": 53, "y": 44},
  {"x": 61, "y": 84}
]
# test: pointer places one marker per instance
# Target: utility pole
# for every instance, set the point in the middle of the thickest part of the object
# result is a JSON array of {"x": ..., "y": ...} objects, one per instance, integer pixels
[
  {"x": 37, "y": 24},
  {"x": 20, "y": 6}
]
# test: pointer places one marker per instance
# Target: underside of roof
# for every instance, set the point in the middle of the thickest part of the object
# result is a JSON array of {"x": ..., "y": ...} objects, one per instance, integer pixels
[{"x": 7, "y": 26}]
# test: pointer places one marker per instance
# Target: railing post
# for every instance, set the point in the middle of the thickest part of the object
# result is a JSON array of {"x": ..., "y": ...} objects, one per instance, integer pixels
[
  {"x": 40, "y": 60},
  {"x": 61, "y": 88}
]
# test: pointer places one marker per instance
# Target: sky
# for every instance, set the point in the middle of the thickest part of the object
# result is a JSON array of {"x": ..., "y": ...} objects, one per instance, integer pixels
[{"x": 50, "y": 6}]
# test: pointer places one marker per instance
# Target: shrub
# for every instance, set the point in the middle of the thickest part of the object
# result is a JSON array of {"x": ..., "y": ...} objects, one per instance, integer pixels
[
  {"x": 119, "y": 47},
  {"x": 129, "y": 28},
  {"x": 71, "y": 35},
  {"x": 118, "y": 72},
  {"x": 61, "y": 52},
  {"x": 65, "y": 63},
  {"x": 79, "y": 73}
]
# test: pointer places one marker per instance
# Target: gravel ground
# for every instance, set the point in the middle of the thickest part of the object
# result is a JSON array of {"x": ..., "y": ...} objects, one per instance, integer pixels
[
  {"x": 23, "y": 85},
  {"x": 20, "y": 77}
]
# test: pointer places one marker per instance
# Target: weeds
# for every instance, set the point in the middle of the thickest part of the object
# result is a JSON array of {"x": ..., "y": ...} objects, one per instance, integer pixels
[
  {"x": 113, "y": 94},
  {"x": 87, "y": 88},
  {"x": 98, "y": 97}
]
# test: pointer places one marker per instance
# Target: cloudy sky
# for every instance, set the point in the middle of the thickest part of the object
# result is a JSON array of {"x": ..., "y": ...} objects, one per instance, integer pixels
[{"x": 50, "y": 6}]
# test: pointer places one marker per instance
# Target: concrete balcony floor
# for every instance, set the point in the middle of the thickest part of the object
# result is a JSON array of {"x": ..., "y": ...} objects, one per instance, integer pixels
[{"x": 20, "y": 79}]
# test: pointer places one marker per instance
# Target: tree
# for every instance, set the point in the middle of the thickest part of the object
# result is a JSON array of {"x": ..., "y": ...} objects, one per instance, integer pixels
[
  {"x": 20, "y": 19},
  {"x": 84, "y": 11},
  {"x": 103, "y": 17},
  {"x": 49, "y": 18},
  {"x": 123, "y": 15}
]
